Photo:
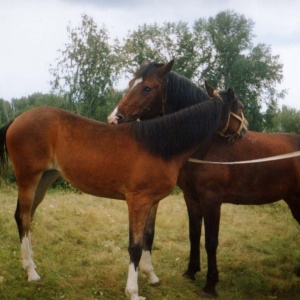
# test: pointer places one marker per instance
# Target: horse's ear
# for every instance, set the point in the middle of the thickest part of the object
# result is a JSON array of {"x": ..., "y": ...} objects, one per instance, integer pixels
[
  {"x": 209, "y": 89},
  {"x": 230, "y": 95},
  {"x": 145, "y": 63},
  {"x": 165, "y": 69}
]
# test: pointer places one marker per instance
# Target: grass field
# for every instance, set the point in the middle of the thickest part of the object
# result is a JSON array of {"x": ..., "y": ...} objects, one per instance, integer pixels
[{"x": 80, "y": 247}]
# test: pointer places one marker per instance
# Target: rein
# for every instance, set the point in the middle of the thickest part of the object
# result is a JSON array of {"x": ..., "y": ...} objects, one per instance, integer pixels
[{"x": 253, "y": 161}]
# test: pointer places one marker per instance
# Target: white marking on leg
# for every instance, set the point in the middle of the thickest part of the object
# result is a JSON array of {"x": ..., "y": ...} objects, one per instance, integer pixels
[
  {"x": 112, "y": 118},
  {"x": 27, "y": 259},
  {"x": 132, "y": 288},
  {"x": 146, "y": 267}
]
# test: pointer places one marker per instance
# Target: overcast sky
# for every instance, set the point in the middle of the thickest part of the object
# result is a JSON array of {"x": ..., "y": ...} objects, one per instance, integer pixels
[{"x": 32, "y": 31}]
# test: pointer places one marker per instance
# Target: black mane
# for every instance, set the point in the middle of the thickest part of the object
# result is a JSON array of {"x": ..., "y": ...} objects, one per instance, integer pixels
[
  {"x": 178, "y": 132},
  {"x": 181, "y": 92}
]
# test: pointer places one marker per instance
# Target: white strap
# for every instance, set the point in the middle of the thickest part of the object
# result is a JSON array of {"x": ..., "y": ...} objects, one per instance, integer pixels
[{"x": 272, "y": 158}]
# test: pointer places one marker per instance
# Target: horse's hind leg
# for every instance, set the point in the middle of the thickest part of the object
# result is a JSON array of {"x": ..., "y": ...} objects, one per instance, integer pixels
[
  {"x": 23, "y": 218},
  {"x": 145, "y": 265},
  {"x": 31, "y": 193},
  {"x": 195, "y": 224},
  {"x": 294, "y": 205},
  {"x": 212, "y": 213}
]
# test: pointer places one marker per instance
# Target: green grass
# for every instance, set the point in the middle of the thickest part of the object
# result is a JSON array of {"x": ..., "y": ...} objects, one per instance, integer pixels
[{"x": 80, "y": 248}]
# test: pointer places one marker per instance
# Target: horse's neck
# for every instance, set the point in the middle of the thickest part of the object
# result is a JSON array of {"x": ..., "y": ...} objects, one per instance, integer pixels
[{"x": 202, "y": 148}]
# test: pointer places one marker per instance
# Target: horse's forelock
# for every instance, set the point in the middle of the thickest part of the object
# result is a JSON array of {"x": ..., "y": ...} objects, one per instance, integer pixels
[{"x": 147, "y": 69}]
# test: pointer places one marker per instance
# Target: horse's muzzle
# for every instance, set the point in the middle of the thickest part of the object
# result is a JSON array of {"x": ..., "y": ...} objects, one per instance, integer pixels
[{"x": 120, "y": 118}]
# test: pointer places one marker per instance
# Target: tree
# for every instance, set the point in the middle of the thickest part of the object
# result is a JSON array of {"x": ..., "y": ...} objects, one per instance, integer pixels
[
  {"x": 159, "y": 43},
  {"x": 271, "y": 118},
  {"x": 218, "y": 49},
  {"x": 85, "y": 70},
  {"x": 232, "y": 61},
  {"x": 288, "y": 120},
  {"x": 6, "y": 113},
  {"x": 11, "y": 109}
]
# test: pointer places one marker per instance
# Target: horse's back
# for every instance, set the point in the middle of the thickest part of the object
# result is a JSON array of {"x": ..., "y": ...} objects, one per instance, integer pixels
[
  {"x": 250, "y": 183},
  {"x": 45, "y": 137},
  {"x": 274, "y": 141},
  {"x": 254, "y": 145}
]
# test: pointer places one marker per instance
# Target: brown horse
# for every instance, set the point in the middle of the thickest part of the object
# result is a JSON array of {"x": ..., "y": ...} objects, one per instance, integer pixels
[
  {"x": 137, "y": 162},
  {"x": 156, "y": 90}
]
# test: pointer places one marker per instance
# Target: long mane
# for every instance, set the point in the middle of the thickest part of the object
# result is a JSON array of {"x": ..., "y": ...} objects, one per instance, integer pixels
[
  {"x": 180, "y": 91},
  {"x": 178, "y": 132}
]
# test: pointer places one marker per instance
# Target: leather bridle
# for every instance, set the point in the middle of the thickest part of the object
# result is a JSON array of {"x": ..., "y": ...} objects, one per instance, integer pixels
[{"x": 240, "y": 131}]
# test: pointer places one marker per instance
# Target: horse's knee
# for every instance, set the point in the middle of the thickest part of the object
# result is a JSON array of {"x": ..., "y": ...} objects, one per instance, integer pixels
[{"x": 211, "y": 245}]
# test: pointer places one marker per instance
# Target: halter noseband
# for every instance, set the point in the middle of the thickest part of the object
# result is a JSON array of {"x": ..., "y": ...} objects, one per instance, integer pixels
[
  {"x": 238, "y": 133},
  {"x": 231, "y": 137}
]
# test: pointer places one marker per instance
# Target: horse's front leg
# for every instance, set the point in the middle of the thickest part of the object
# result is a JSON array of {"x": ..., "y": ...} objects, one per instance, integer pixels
[
  {"x": 146, "y": 266},
  {"x": 195, "y": 224},
  {"x": 212, "y": 213},
  {"x": 138, "y": 210}
]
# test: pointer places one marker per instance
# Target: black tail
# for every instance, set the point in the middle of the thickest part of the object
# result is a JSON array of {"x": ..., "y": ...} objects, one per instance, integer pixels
[{"x": 3, "y": 150}]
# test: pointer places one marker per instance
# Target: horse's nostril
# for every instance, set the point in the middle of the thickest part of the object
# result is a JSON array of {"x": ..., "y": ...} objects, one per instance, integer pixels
[{"x": 120, "y": 118}]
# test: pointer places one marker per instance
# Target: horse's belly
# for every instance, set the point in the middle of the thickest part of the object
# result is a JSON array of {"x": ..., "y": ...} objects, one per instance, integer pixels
[
  {"x": 260, "y": 194},
  {"x": 95, "y": 181}
]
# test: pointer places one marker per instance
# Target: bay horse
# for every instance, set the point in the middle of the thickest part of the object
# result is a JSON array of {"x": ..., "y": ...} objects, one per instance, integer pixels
[
  {"x": 137, "y": 162},
  {"x": 154, "y": 91}
]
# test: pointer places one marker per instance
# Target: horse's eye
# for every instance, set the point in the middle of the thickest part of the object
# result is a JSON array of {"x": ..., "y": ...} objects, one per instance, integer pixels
[{"x": 147, "y": 89}]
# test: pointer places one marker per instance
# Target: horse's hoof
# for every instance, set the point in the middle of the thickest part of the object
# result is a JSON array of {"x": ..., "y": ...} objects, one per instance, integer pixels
[
  {"x": 297, "y": 271},
  {"x": 189, "y": 276},
  {"x": 208, "y": 295},
  {"x": 33, "y": 275},
  {"x": 157, "y": 283}
]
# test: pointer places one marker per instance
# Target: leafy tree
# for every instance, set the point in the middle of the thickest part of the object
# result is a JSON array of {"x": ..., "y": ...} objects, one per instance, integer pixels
[
  {"x": 287, "y": 120},
  {"x": 6, "y": 112},
  {"x": 23, "y": 104},
  {"x": 232, "y": 60},
  {"x": 271, "y": 118},
  {"x": 85, "y": 71},
  {"x": 159, "y": 43},
  {"x": 218, "y": 49},
  {"x": 11, "y": 109}
]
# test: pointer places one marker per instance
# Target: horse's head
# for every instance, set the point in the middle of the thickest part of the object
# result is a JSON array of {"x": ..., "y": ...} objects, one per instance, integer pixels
[
  {"x": 146, "y": 93},
  {"x": 236, "y": 124}
]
